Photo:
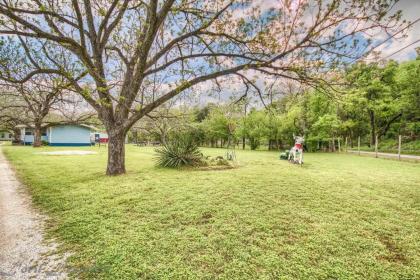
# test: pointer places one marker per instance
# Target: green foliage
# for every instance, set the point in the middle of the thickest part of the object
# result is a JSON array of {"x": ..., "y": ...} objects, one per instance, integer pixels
[
  {"x": 216, "y": 125},
  {"x": 181, "y": 150},
  {"x": 376, "y": 99},
  {"x": 326, "y": 126},
  {"x": 254, "y": 128}
]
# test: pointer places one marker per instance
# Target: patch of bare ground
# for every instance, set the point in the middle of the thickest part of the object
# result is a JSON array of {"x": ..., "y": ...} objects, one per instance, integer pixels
[
  {"x": 395, "y": 254},
  {"x": 24, "y": 253}
]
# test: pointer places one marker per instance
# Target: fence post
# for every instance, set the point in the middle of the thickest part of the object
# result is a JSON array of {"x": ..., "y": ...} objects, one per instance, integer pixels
[
  {"x": 399, "y": 147},
  {"x": 358, "y": 145},
  {"x": 346, "y": 145},
  {"x": 339, "y": 146},
  {"x": 376, "y": 146}
]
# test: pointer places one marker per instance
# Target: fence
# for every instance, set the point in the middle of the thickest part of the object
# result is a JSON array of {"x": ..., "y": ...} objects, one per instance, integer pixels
[{"x": 399, "y": 147}]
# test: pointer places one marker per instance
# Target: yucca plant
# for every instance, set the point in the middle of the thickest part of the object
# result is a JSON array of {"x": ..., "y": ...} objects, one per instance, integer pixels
[{"x": 180, "y": 150}]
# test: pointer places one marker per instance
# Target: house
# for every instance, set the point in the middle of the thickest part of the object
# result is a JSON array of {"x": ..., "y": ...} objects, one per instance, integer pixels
[
  {"x": 6, "y": 135},
  {"x": 59, "y": 135},
  {"x": 27, "y": 134}
]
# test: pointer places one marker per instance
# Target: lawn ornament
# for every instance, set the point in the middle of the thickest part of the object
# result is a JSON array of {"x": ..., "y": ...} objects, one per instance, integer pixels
[
  {"x": 285, "y": 155},
  {"x": 296, "y": 152}
]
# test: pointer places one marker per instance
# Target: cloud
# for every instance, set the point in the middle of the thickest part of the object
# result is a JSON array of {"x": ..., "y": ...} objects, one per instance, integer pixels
[{"x": 410, "y": 11}]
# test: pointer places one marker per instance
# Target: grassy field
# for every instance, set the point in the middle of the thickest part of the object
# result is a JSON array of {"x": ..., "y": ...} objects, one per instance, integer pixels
[{"x": 337, "y": 217}]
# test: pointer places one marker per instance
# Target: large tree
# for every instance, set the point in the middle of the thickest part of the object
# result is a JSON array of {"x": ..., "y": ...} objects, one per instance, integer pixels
[
  {"x": 374, "y": 88},
  {"x": 136, "y": 55},
  {"x": 36, "y": 98},
  {"x": 11, "y": 115}
]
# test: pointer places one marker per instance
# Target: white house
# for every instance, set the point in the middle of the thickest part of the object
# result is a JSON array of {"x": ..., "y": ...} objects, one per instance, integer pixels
[
  {"x": 6, "y": 135},
  {"x": 59, "y": 135}
]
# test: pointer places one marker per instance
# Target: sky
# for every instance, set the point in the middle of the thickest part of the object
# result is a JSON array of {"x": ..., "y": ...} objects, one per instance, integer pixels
[{"x": 410, "y": 11}]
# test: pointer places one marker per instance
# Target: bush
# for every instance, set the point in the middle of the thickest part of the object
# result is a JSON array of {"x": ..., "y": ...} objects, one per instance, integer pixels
[
  {"x": 216, "y": 161},
  {"x": 180, "y": 150}
]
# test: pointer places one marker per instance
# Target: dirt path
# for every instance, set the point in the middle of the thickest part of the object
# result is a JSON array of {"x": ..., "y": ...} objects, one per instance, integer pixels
[
  {"x": 23, "y": 253},
  {"x": 386, "y": 155}
]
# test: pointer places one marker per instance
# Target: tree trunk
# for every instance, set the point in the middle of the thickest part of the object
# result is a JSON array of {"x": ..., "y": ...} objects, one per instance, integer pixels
[
  {"x": 243, "y": 143},
  {"x": 16, "y": 135},
  {"x": 388, "y": 125},
  {"x": 37, "y": 136},
  {"x": 116, "y": 154},
  {"x": 163, "y": 138}
]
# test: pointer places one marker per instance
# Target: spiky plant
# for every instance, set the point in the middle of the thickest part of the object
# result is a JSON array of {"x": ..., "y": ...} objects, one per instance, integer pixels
[{"x": 179, "y": 151}]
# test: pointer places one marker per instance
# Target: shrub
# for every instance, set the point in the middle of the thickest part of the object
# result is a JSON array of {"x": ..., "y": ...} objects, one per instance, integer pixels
[
  {"x": 180, "y": 150},
  {"x": 216, "y": 161}
]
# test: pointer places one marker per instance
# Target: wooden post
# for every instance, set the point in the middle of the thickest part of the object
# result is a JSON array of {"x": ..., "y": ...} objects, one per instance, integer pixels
[
  {"x": 346, "y": 144},
  {"x": 376, "y": 146},
  {"x": 399, "y": 147},
  {"x": 339, "y": 146},
  {"x": 358, "y": 145}
]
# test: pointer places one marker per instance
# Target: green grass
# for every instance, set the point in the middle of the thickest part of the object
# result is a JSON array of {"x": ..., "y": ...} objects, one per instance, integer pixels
[{"x": 337, "y": 217}]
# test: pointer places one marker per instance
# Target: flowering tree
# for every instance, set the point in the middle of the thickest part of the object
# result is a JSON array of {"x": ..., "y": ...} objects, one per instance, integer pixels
[{"x": 127, "y": 58}]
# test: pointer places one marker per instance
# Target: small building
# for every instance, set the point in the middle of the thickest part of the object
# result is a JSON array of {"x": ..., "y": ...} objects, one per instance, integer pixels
[
  {"x": 6, "y": 135},
  {"x": 59, "y": 135},
  {"x": 27, "y": 134}
]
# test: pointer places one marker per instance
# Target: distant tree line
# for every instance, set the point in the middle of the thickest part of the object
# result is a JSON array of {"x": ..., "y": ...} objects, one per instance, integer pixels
[{"x": 372, "y": 100}]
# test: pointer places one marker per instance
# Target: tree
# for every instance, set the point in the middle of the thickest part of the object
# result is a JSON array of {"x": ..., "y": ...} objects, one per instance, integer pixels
[
  {"x": 374, "y": 89},
  {"x": 136, "y": 55},
  {"x": 216, "y": 126},
  {"x": 327, "y": 127},
  {"x": 254, "y": 128},
  {"x": 11, "y": 115},
  {"x": 408, "y": 84},
  {"x": 274, "y": 128},
  {"x": 163, "y": 121},
  {"x": 38, "y": 96}
]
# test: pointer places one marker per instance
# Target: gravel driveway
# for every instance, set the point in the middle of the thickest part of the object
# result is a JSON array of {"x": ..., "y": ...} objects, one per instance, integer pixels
[{"x": 24, "y": 254}]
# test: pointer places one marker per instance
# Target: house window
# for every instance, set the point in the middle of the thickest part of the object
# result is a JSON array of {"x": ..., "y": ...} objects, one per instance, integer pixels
[
  {"x": 44, "y": 132},
  {"x": 28, "y": 132},
  {"x": 2, "y": 135}
]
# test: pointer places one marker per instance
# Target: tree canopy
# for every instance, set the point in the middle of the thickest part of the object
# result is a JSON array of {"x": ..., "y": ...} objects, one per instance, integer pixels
[{"x": 126, "y": 58}]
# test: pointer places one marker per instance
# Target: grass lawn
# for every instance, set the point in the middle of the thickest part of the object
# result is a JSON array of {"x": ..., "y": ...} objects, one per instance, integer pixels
[{"x": 337, "y": 217}]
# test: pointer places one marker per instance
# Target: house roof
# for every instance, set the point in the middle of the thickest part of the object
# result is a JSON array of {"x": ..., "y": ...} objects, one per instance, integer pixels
[{"x": 57, "y": 124}]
